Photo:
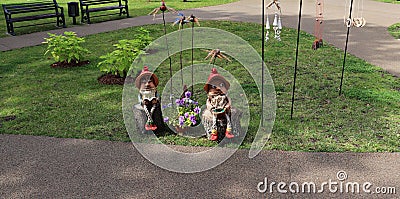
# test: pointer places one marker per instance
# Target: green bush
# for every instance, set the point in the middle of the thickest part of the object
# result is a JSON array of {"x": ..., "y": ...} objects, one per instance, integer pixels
[
  {"x": 65, "y": 48},
  {"x": 119, "y": 61}
]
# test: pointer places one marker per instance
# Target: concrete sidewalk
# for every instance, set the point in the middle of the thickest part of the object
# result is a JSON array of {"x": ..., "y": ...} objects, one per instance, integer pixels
[
  {"x": 43, "y": 167},
  {"x": 372, "y": 43}
]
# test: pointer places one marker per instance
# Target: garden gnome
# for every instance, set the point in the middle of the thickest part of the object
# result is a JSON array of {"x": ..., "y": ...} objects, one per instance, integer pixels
[
  {"x": 147, "y": 83},
  {"x": 218, "y": 105}
]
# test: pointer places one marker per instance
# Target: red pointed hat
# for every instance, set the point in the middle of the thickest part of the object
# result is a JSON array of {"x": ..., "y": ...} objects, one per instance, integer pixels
[
  {"x": 146, "y": 72},
  {"x": 214, "y": 75}
]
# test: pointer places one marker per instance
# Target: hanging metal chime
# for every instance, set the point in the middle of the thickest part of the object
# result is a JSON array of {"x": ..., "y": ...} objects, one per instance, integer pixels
[
  {"x": 277, "y": 26},
  {"x": 277, "y": 23}
]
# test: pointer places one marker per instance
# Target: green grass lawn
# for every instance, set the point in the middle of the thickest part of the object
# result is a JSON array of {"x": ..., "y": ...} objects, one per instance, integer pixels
[
  {"x": 136, "y": 8},
  {"x": 39, "y": 100},
  {"x": 390, "y": 1},
  {"x": 394, "y": 30}
]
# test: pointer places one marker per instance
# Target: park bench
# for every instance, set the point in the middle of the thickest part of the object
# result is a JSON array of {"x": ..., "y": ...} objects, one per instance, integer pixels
[
  {"x": 88, "y": 6},
  {"x": 32, "y": 11}
]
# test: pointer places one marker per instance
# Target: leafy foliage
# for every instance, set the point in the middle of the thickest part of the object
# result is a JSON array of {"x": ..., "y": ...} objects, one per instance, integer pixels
[
  {"x": 65, "y": 47},
  {"x": 119, "y": 61}
]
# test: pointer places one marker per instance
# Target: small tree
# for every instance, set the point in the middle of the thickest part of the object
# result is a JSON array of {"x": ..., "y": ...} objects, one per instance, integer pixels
[
  {"x": 65, "y": 48},
  {"x": 119, "y": 61}
]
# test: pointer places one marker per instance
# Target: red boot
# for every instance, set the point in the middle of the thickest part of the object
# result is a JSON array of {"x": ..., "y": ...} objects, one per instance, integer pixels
[
  {"x": 228, "y": 133},
  {"x": 214, "y": 135},
  {"x": 153, "y": 127},
  {"x": 147, "y": 127}
]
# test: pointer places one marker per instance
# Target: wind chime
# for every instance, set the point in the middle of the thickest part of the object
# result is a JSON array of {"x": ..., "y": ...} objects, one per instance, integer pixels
[
  {"x": 358, "y": 20},
  {"x": 277, "y": 24},
  {"x": 318, "y": 27}
]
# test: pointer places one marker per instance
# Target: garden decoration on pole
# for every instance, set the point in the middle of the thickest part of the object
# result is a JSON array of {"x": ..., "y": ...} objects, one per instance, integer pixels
[
  {"x": 216, "y": 53},
  {"x": 181, "y": 20},
  {"x": 164, "y": 8},
  {"x": 357, "y": 21},
  {"x": 345, "y": 49},
  {"x": 318, "y": 27},
  {"x": 277, "y": 23},
  {"x": 193, "y": 19},
  {"x": 297, "y": 55}
]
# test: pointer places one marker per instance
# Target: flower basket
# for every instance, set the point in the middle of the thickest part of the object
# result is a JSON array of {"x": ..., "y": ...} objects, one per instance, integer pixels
[{"x": 184, "y": 115}]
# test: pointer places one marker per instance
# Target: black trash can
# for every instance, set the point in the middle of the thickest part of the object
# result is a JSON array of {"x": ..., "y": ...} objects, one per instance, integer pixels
[{"x": 73, "y": 10}]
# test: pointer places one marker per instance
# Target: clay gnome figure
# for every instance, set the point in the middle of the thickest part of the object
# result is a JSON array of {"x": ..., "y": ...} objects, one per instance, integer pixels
[
  {"x": 217, "y": 116},
  {"x": 147, "y": 83}
]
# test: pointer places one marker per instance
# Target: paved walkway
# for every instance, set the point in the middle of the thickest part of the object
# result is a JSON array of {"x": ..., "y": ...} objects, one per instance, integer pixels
[
  {"x": 43, "y": 167},
  {"x": 372, "y": 43}
]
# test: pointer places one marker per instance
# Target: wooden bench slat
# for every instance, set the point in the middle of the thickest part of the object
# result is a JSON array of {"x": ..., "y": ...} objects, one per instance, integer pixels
[
  {"x": 28, "y": 10},
  {"x": 105, "y": 8},
  {"x": 34, "y": 17},
  {"x": 99, "y": 1}
]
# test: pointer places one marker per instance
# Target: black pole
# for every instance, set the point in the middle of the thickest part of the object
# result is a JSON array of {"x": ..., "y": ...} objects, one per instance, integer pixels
[
  {"x": 192, "y": 54},
  {"x": 297, "y": 55},
  {"x": 169, "y": 57},
  {"x": 345, "y": 49},
  {"x": 181, "y": 54},
  {"x": 262, "y": 62}
]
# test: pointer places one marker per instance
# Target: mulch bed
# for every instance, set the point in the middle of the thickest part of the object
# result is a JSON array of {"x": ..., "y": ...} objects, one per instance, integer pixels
[
  {"x": 65, "y": 64},
  {"x": 111, "y": 79}
]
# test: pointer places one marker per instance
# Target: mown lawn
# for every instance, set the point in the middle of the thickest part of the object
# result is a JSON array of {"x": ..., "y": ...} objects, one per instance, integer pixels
[{"x": 39, "y": 100}]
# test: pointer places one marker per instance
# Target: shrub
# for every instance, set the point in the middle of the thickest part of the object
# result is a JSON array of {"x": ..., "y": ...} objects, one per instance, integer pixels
[
  {"x": 120, "y": 60},
  {"x": 65, "y": 48}
]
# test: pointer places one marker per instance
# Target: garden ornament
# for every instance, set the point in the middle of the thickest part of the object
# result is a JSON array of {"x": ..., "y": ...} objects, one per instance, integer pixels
[
  {"x": 147, "y": 83},
  {"x": 181, "y": 20},
  {"x": 216, "y": 53},
  {"x": 218, "y": 106},
  {"x": 357, "y": 21},
  {"x": 163, "y": 8},
  {"x": 318, "y": 25},
  {"x": 277, "y": 23},
  {"x": 194, "y": 19}
]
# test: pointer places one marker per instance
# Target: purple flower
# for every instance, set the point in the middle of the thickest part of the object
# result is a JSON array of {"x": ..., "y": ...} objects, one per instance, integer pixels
[
  {"x": 179, "y": 102},
  {"x": 181, "y": 120},
  {"x": 186, "y": 115},
  {"x": 166, "y": 119},
  {"x": 197, "y": 110},
  {"x": 169, "y": 105},
  {"x": 195, "y": 103},
  {"x": 193, "y": 119},
  {"x": 164, "y": 106},
  {"x": 188, "y": 94}
]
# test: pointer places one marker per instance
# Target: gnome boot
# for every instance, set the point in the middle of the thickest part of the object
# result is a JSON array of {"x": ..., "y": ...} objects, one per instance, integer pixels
[
  {"x": 228, "y": 133},
  {"x": 214, "y": 135}
]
